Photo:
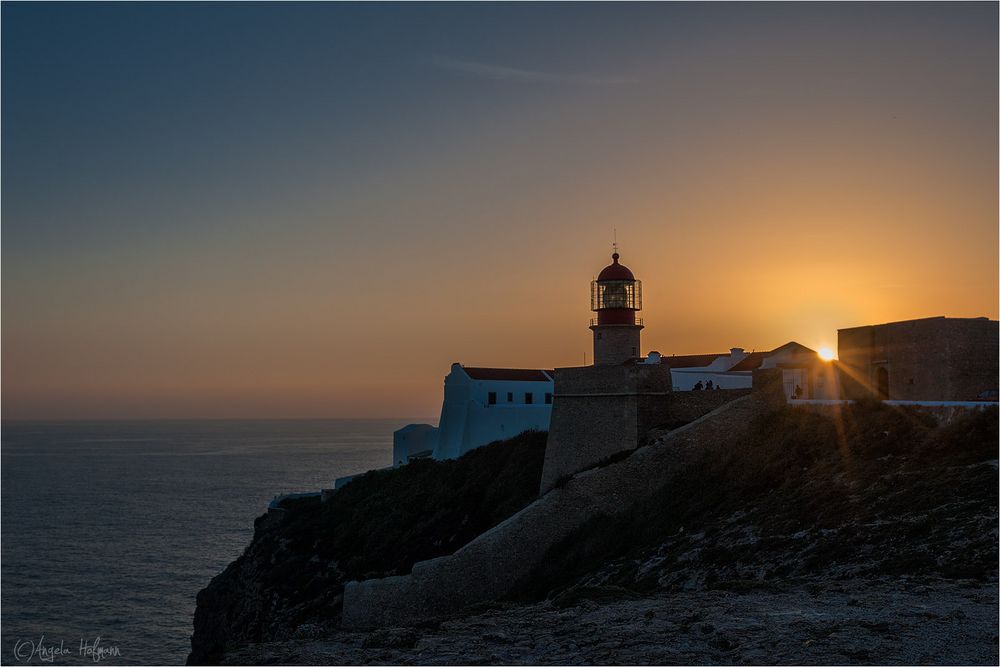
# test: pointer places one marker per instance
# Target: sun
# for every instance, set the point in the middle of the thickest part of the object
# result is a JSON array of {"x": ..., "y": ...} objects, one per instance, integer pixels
[{"x": 825, "y": 353}]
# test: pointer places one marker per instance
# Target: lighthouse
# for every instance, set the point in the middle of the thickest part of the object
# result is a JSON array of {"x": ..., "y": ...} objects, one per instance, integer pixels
[{"x": 616, "y": 297}]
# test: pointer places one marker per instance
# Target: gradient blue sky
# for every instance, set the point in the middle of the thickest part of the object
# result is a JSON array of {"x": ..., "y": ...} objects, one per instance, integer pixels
[{"x": 313, "y": 209}]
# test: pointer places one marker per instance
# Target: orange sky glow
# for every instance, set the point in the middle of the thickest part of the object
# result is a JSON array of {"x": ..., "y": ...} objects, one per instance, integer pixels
[{"x": 767, "y": 185}]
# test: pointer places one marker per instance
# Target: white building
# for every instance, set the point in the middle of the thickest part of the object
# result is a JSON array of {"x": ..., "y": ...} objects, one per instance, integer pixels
[
  {"x": 687, "y": 371},
  {"x": 802, "y": 369},
  {"x": 481, "y": 405}
]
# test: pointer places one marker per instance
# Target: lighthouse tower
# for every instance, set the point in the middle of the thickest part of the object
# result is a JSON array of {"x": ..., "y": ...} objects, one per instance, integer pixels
[{"x": 615, "y": 296}]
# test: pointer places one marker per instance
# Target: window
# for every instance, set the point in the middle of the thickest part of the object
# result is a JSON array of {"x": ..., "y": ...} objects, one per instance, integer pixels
[
  {"x": 598, "y": 335},
  {"x": 510, "y": 397},
  {"x": 548, "y": 398},
  {"x": 492, "y": 398},
  {"x": 616, "y": 294},
  {"x": 528, "y": 398},
  {"x": 634, "y": 352}
]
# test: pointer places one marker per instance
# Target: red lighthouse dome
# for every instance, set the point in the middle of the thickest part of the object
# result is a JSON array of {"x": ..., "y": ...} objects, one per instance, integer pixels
[
  {"x": 615, "y": 271},
  {"x": 616, "y": 295}
]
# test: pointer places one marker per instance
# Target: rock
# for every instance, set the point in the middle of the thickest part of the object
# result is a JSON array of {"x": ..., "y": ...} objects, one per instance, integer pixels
[
  {"x": 310, "y": 631},
  {"x": 722, "y": 643},
  {"x": 391, "y": 638}
]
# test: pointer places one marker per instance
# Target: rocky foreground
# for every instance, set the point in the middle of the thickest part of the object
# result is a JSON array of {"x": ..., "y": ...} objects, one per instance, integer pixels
[
  {"x": 887, "y": 621},
  {"x": 867, "y": 536}
]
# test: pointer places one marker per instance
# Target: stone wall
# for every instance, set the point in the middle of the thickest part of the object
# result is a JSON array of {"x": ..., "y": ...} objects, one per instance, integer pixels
[
  {"x": 599, "y": 411},
  {"x": 686, "y": 406},
  {"x": 938, "y": 358},
  {"x": 973, "y": 357},
  {"x": 615, "y": 344},
  {"x": 489, "y": 566}
]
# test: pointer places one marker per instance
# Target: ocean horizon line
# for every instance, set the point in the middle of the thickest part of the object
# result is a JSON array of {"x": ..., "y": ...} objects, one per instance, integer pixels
[{"x": 100, "y": 420}]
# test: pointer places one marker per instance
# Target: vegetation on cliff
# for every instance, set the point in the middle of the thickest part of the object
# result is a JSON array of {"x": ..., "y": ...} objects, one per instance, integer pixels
[
  {"x": 385, "y": 521},
  {"x": 864, "y": 490},
  {"x": 380, "y": 524}
]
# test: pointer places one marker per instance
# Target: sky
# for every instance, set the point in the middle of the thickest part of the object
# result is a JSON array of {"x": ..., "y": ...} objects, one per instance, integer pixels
[{"x": 312, "y": 210}]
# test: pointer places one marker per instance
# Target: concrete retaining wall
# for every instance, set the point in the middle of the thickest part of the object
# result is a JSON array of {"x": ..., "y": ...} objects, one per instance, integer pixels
[{"x": 489, "y": 566}]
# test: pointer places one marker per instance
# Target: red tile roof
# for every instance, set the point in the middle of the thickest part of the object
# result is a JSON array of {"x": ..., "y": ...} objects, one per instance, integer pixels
[
  {"x": 691, "y": 360},
  {"x": 510, "y": 374}
]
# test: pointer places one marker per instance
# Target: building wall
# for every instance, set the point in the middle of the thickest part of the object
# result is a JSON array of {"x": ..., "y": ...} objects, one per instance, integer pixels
[
  {"x": 802, "y": 369},
  {"x": 413, "y": 439},
  {"x": 930, "y": 359},
  {"x": 469, "y": 421},
  {"x": 973, "y": 356},
  {"x": 824, "y": 381},
  {"x": 484, "y": 425}
]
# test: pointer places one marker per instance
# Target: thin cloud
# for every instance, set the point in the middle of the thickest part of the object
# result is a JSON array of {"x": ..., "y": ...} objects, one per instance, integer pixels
[{"x": 503, "y": 73}]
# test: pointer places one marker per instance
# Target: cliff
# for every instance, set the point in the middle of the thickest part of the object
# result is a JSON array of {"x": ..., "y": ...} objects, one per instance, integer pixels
[
  {"x": 864, "y": 534},
  {"x": 290, "y": 578}
]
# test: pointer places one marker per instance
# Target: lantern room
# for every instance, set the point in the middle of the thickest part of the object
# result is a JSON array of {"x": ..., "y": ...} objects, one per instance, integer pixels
[{"x": 616, "y": 295}]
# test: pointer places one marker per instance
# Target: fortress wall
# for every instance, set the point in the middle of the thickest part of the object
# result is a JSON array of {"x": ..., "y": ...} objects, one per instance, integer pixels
[
  {"x": 937, "y": 358},
  {"x": 599, "y": 411},
  {"x": 586, "y": 430},
  {"x": 686, "y": 406},
  {"x": 973, "y": 358},
  {"x": 489, "y": 566}
]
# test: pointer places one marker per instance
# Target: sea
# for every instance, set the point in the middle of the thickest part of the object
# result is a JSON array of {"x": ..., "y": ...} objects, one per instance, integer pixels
[{"x": 108, "y": 530}]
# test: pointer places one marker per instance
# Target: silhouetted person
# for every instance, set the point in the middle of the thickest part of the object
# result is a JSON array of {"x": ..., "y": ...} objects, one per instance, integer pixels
[
  {"x": 710, "y": 386},
  {"x": 698, "y": 386},
  {"x": 798, "y": 391}
]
